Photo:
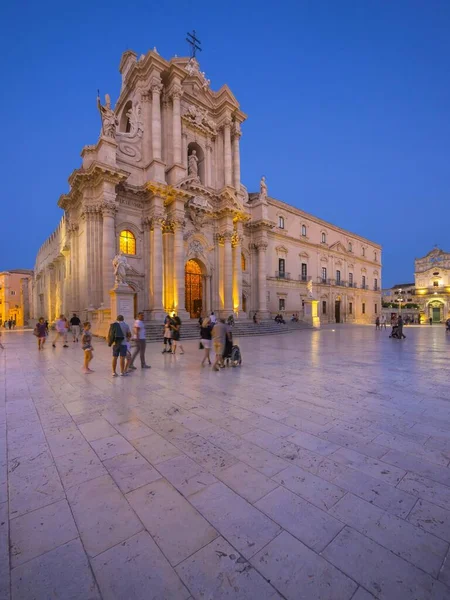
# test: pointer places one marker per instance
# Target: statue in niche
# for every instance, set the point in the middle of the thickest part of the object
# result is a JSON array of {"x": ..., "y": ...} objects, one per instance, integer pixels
[
  {"x": 263, "y": 189},
  {"x": 120, "y": 265},
  {"x": 109, "y": 121},
  {"x": 193, "y": 164}
]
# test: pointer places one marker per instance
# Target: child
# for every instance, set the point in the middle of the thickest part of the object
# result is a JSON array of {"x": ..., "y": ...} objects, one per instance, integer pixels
[
  {"x": 86, "y": 340},
  {"x": 40, "y": 331}
]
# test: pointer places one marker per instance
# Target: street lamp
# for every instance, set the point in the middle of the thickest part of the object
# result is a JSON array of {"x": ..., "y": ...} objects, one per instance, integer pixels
[{"x": 400, "y": 300}]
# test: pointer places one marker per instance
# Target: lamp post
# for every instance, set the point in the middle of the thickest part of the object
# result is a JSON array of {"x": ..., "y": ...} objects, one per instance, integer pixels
[{"x": 400, "y": 300}]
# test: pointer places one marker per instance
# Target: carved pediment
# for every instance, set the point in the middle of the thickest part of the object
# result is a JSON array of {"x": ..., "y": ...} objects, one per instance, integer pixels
[
  {"x": 198, "y": 118},
  {"x": 338, "y": 247},
  {"x": 199, "y": 211}
]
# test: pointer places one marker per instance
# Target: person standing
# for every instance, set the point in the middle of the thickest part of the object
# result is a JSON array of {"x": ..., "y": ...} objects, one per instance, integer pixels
[
  {"x": 139, "y": 333},
  {"x": 61, "y": 331},
  {"x": 86, "y": 345},
  {"x": 75, "y": 327},
  {"x": 219, "y": 336},
  {"x": 119, "y": 332},
  {"x": 431, "y": 320},
  {"x": 205, "y": 340},
  {"x": 176, "y": 333},
  {"x": 383, "y": 321},
  {"x": 40, "y": 331},
  {"x": 167, "y": 335},
  {"x": 377, "y": 323},
  {"x": 213, "y": 319}
]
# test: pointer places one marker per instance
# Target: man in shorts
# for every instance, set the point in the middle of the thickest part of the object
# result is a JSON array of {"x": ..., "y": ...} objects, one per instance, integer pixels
[
  {"x": 219, "y": 334},
  {"x": 119, "y": 345}
]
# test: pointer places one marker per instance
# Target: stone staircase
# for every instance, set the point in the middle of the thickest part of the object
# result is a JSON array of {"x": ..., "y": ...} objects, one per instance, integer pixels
[{"x": 190, "y": 329}]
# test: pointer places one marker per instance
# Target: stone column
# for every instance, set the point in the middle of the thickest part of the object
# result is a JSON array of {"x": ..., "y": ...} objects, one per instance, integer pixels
[
  {"x": 236, "y": 158},
  {"x": 109, "y": 250},
  {"x": 176, "y": 93},
  {"x": 208, "y": 169},
  {"x": 157, "y": 269},
  {"x": 146, "y": 223},
  {"x": 147, "y": 145},
  {"x": 156, "y": 88},
  {"x": 237, "y": 274},
  {"x": 179, "y": 299},
  {"x": 227, "y": 152},
  {"x": 227, "y": 274},
  {"x": 262, "y": 281},
  {"x": 51, "y": 293},
  {"x": 184, "y": 151}
]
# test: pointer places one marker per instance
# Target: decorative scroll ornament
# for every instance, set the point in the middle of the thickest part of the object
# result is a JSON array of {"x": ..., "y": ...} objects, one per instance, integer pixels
[
  {"x": 195, "y": 248},
  {"x": 130, "y": 143},
  {"x": 199, "y": 211}
]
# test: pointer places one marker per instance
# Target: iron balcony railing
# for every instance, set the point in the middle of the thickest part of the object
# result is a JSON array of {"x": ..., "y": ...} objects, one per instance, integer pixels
[
  {"x": 351, "y": 284},
  {"x": 304, "y": 278},
  {"x": 282, "y": 275}
]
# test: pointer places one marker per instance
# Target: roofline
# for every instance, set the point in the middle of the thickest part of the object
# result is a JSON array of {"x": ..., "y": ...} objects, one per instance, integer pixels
[{"x": 302, "y": 213}]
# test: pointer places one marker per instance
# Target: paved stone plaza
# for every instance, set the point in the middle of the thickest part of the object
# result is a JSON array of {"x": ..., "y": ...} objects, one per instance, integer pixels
[{"x": 317, "y": 471}]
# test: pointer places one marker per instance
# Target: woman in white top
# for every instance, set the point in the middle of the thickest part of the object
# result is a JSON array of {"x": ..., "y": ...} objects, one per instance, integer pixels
[{"x": 167, "y": 335}]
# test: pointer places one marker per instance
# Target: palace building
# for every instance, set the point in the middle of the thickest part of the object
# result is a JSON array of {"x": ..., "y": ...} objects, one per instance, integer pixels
[
  {"x": 162, "y": 186},
  {"x": 15, "y": 296}
]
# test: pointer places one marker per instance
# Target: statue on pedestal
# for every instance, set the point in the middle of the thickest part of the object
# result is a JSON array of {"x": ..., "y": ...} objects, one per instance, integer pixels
[
  {"x": 309, "y": 287},
  {"x": 120, "y": 265},
  {"x": 193, "y": 164},
  {"x": 109, "y": 122}
]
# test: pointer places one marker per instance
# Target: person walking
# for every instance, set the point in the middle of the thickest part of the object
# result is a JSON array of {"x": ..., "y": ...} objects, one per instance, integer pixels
[
  {"x": 383, "y": 321},
  {"x": 86, "y": 345},
  {"x": 61, "y": 331},
  {"x": 400, "y": 328},
  {"x": 377, "y": 323},
  {"x": 75, "y": 324},
  {"x": 40, "y": 331},
  {"x": 119, "y": 332},
  {"x": 176, "y": 333},
  {"x": 205, "y": 340},
  {"x": 212, "y": 318},
  {"x": 140, "y": 341},
  {"x": 219, "y": 336},
  {"x": 167, "y": 335},
  {"x": 431, "y": 320}
]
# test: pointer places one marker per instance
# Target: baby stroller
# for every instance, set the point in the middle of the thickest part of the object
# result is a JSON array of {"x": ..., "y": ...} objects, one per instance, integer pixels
[{"x": 395, "y": 333}]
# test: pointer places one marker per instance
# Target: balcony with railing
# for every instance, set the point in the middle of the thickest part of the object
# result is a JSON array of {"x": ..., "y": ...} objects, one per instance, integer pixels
[
  {"x": 352, "y": 284},
  {"x": 282, "y": 275},
  {"x": 304, "y": 278}
]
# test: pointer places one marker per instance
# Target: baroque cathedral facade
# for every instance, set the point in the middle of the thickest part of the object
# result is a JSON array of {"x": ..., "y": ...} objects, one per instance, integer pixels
[{"x": 162, "y": 187}]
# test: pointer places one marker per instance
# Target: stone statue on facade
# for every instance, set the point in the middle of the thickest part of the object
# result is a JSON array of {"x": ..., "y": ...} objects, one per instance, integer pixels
[
  {"x": 263, "y": 189},
  {"x": 120, "y": 265},
  {"x": 193, "y": 164},
  {"x": 109, "y": 121},
  {"x": 309, "y": 287}
]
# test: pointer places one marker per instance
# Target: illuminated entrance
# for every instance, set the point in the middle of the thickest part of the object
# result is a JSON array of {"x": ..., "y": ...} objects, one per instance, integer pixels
[{"x": 194, "y": 288}]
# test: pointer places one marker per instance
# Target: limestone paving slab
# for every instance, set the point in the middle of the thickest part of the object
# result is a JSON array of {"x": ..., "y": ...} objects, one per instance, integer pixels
[
  {"x": 218, "y": 571},
  {"x": 131, "y": 471},
  {"x": 109, "y": 447},
  {"x": 61, "y": 573},
  {"x": 185, "y": 475},
  {"x": 78, "y": 467},
  {"x": 136, "y": 569},
  {"x": 4, "y": 553},
  {"x": 175, "y": 525},
  {"x": 299, "y": 573},
  {"x": 432, "y": 518}
]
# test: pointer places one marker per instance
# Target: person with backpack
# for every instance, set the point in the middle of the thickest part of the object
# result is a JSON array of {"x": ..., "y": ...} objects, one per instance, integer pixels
[
  {"x": 119, "y": 332},
  {"x": 176, "y": 333}
]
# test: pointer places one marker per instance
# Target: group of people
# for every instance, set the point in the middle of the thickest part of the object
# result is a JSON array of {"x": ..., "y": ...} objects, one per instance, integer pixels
[
  {"x": 120, "y": 338},
  {"x": 279, "y": 319},
  {"x": 172, "y": 334},
  {"x": 9, "y": 324},
  {"x": 215, "y": 333}
]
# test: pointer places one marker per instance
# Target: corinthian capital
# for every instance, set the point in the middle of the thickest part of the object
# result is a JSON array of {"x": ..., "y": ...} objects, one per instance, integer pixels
[
  {"x": 176, "y": 91},
  {"x": 108, "y": 209},
  {"x": 156, "y": 86}
]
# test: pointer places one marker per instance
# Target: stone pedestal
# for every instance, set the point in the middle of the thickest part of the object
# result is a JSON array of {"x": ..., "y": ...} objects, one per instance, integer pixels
[
  {"x": 122, "y": 297},
  {"x": 311, "y": 312}
]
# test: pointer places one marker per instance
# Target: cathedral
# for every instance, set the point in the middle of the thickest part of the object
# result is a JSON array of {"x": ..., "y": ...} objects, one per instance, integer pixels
[{"x": 161, "y": 192}]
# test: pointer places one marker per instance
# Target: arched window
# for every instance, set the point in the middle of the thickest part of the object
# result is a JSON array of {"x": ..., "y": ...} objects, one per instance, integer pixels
[
  {"x": 324, "y": 238},
  {"x": 243, "y": 262},
  {"x": 304, "y": 230},
  {"x": 350, "y": 247},
  {"x": 281, "y": 222},
  {"x": 125, "y": 124},
  {"x": 127, "y": 243}
]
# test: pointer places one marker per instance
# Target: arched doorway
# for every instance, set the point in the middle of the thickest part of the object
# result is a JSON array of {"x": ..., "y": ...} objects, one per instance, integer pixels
[{"x": 193, "y": 288}]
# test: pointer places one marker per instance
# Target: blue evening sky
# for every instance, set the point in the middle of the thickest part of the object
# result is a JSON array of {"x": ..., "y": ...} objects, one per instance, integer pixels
[{"x": 347, "y": 101}]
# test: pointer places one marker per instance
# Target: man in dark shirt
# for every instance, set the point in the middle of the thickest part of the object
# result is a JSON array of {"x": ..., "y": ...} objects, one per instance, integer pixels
[{"x": 75, "y": 327}]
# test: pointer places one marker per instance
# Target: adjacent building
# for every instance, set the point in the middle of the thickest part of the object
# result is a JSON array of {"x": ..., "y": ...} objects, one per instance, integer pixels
[
  {"x": 429, "y": 295},
  {"x": 15, "y": 296},
  {"x": 163, "y": 187}
]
